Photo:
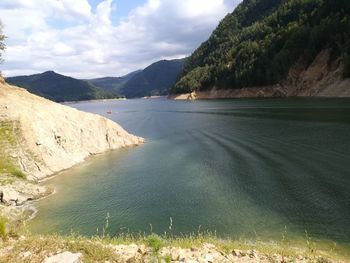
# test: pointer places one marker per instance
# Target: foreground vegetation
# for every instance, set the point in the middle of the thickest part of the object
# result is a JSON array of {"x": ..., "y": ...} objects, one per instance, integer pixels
[
  {"x": 19, "y": 245},
  {"x": 261, "y": 40},
  {"x": 9, "y": 134}
]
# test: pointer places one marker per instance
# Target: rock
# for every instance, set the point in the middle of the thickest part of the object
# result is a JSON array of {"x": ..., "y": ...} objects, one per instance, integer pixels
[
  {"x": 209, "y": 246},
  {"x": 18, "y": 192},
  {"x": 252, "y": 254},
  {"x": 209, "y": 258},
  {"x": 128, "y": 253},
  {"x": 26, "y": 254},
  {"x": 65, "y": 257},
  {"x": 175, "y": 255},
  {"x": 142, "y": 250},
  {"x": 64, "y": 134},
  {"x": 183, "y": 254}
]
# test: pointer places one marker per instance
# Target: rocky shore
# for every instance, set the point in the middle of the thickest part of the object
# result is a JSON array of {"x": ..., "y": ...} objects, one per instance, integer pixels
[
  {"x": 323, "y": 78},
  {"x": 74, "y": 250},
  {"x": 39, "y": 138}
]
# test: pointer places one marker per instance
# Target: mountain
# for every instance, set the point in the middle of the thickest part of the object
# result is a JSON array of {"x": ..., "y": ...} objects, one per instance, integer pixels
[
  {"x": 57, "y": 87},
  {"x": 39, "y": 137},
  {"x": 156, "y": 79},
  {"x": 112, "y": 84},
  {"x": 301, "y": 47}
]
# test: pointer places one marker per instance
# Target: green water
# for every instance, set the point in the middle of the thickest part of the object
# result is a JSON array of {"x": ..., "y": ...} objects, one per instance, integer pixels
[{"x": 240, "y": 168}]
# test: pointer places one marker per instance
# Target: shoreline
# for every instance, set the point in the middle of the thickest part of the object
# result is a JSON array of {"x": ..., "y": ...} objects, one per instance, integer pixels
[
  {"x": 197, "y": 248},
  {"x": 337, "y": 89},
  {"x": 40, "y": 139},
  {"x": 49, "y": 191},
  {"x": 96, "y": 100}
]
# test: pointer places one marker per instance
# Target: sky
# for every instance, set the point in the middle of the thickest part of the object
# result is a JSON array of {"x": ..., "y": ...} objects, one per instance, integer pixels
[{"x": 97, "y": 38}]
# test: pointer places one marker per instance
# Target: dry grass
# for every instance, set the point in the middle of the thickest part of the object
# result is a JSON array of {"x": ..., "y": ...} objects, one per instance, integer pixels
[
  {"x": 9, "y": 135},
  {"x": 96, "y": 249}
]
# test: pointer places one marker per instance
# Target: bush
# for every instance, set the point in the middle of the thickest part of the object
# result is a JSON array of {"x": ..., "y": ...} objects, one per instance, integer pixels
[
  {"x": 155, "y": 242},
  {"x": 2, "y": 44}
]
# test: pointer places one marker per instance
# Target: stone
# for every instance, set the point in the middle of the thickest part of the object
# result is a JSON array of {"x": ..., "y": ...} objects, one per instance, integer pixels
[
  {"x": 65, "y": 257},
  {"x": 252, "y": 254},
  {"x": 26, "y": 254},
  {"x": 19, "y": 192},
  {"x": 175, "y": 255},
  {"x": 209, "y": 258},
  {"x": 63, "y": 133},
  {"x": 142, "y": 250}
]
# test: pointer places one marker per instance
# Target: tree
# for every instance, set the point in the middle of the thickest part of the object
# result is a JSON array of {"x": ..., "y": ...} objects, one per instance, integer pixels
[
  {"x": 2, "y": 44},
  {"x": 259, "y": 42}
]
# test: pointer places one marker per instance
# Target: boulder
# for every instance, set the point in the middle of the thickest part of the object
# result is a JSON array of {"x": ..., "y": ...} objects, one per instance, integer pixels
[{"x": 65, "y": 257}]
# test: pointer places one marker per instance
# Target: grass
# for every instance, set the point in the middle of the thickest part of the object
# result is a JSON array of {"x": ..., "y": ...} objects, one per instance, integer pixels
[
  {"x": 3, "y": 231},
  {"x": 42, "y": 246},
  {"x": 155, "y": 242},
  {"x": 99, "y": 249},
  {"x": 8, "y": 167},
  {"x": 8, "y": 132},
  {"x": 9, "y": 135}
]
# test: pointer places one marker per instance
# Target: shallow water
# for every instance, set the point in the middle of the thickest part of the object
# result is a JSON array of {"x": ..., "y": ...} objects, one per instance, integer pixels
[{"x": 240, "y": 168}]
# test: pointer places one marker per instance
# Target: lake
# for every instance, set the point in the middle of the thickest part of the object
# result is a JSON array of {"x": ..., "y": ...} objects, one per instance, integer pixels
[{"x": 238, "y": 168}]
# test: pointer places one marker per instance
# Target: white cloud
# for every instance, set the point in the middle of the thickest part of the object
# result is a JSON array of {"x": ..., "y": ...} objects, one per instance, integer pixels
[{"x": 89, "y": 45}]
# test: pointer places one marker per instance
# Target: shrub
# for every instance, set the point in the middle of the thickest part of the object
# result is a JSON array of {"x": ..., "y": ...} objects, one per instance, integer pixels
[{"x": 155, "y": 242}]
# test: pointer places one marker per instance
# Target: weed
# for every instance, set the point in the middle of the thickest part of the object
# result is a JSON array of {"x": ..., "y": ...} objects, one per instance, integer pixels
[
  {"x": 105, "y": 228},
  {"x": 3, "y": 230},
  {"x": 284, "y": 243},
  {"x": 155, "y": 242},
  {"x": 9, "y": 134},
  {"x": 167, "y": 259},
  {"x": 311, "y": 245}
]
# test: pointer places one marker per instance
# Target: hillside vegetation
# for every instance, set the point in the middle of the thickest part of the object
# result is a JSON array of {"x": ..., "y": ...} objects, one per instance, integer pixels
[
  {"x": 156, "y": 79},
  {"x": 259, "y": 42},
  {"x": 113, "y": 84},
  {"x": 58, "y": 87}
]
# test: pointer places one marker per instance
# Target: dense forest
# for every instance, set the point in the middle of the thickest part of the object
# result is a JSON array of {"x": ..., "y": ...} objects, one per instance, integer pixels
[
  {"x": 155, "y": 79},
  {"x": 113, "y": 84},
  {"x": 260, "y": 40},
  {"x": 59, "y": 88}
]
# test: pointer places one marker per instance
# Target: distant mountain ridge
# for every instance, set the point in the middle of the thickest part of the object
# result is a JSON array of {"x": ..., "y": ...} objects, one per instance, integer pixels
[
  {"x": 155, "y": 79},
  {"x": 112, "y": 84},
  {"x": 57, "y": 87}
]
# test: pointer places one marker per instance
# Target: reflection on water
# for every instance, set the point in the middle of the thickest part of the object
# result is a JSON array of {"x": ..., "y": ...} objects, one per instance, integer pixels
[{"x": 239, "y": 167}]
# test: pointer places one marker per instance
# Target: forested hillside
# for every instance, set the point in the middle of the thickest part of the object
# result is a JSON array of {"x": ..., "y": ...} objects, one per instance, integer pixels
[
  {"x": 156, "y": 79},
  {"x": 261, "y": 40},
  {"x": 113, "y": 84},
  {"x": 58, "y": 87}
]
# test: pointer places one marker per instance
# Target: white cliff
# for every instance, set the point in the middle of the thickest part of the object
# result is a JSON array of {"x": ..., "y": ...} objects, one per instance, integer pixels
[{"x": 51, "y": 137}]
